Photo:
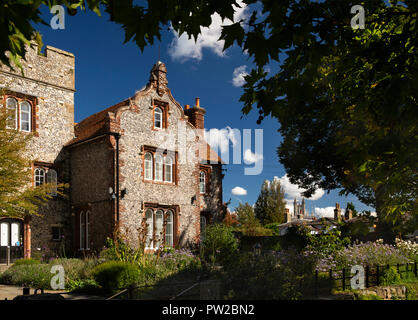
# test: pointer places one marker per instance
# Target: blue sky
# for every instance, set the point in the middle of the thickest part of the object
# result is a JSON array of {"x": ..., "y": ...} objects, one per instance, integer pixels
[{"x": 108, "y": 71}]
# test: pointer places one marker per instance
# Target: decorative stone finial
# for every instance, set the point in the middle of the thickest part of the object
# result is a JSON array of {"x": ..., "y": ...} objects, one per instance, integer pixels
[{"x": 158, "y": 77}]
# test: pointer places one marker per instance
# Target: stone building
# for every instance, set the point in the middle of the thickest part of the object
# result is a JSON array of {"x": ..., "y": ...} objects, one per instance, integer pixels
[
  {"x": 299, "y": 209},
  {"x": 141, "y": 161}
]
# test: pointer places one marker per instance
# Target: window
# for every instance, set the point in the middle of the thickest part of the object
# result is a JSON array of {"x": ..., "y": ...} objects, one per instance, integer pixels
[
  {"x": 158, "y": 118},
  {"x": 150, "y": 228},
  {"x": 169, "y": 228},
  {"x": 148, "y": 166},
  {"x": 25, "y": 116},
  {"x": 160, "y": 227},
  {"x": 51, "y": 177},
  {"x": 159, "y": 165},
  {"x": 57, "y": 233},
  {"x": 84, "y": 230},
  {"x": 39, "y": 177},
  {"x": 14, "y": 237},
  {"x": 4, "y": 234},
  {"x": 11, "y": 109},
  {"x": 202, "y": 182},
  {"x": 168, "y": 169},
  {"x": 159, "y": 221},
  {"x": 158, "y": 168}
]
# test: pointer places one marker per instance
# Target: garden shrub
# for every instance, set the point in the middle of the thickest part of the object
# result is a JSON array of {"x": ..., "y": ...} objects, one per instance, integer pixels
[
  {"x": 120, "y": 250},
  {"x": 408, "y": 248},
  {"x": 32, "y": 273},
  {"x": 178, "y": 260},
  {"x": 81, "y": 285},
  {"x": 28, "y": 275},
  {"x": 220, "y": 244},
  {"x": 26, "y": 262},
  {"x": 364, "y": 254},
  {"x": 114, "y": 275},
  {"x": 368, "y": 297},
  {"x": 391, "y": 276},
  {"x": 269, "y": 276}
]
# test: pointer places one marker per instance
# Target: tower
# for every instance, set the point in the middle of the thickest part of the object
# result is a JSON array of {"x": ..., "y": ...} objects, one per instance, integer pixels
[
  {"x": 303, "y": 208},
  {"x": 295, "y": 208}
]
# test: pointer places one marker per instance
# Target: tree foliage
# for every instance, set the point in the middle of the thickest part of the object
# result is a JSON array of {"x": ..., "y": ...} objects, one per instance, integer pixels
[
  {"x": 346, "y": 99},
  {"x": 17, "y": 197},
  {"x": 270, "y": 206}
]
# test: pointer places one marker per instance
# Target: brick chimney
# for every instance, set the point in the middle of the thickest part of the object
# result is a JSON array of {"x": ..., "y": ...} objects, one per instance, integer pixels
[
  {"x": 196, "y": 115},
  {"x": 337, "y": 212}
]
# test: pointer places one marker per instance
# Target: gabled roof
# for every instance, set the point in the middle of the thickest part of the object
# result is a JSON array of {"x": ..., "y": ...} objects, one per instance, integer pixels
[
  {"x": 97, "y": 123},
  {"x": 93, "y": 125}
]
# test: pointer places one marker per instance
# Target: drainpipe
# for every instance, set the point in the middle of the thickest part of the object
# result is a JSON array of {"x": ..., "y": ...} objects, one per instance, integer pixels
[{"x": 117, "y": 137}]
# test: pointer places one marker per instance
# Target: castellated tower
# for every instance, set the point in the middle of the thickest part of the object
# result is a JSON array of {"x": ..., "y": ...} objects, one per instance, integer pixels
[{"x": 43, "y": 100}]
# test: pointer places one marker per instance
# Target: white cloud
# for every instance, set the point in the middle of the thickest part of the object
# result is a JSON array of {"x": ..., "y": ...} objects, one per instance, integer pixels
[
  {"x": 238, "y": 76},
  {"x": 219, "y": 139},
  {"x": 327, "y": 212},
  {"x": 238, "y": 191},
  {"x": 293, "y": 191},
  {"x": 182, "y": 48},
  {"x": 250, "y": 157}
]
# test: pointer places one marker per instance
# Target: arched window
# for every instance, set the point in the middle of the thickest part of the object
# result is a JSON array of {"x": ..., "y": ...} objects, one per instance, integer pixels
[
  {"x": 169, "y": 228},
  {"x": 11, "y": 109},
  {"x": 87, "y": 246},
  {"x": 82, "y": 230},
  {"x": 25, "y": 116},
  {"x": 159, "y": 221},
  {"x": 168, "y": 170},
  {"x": 158, "y": 168},
  {"x": 39, "y": 177},
  {"x": 202, "y": 182},
  {"x": 148, "y": 166},
  {"x": 4, "y": 234},
  {"x": 51, "y": 178},
  {"x": 150, "y": 228},
  {"x": 158, "y": 118}
]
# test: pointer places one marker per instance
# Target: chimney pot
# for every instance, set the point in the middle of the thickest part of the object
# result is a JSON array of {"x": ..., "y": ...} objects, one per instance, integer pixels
[{"x": 198, "y": 102}]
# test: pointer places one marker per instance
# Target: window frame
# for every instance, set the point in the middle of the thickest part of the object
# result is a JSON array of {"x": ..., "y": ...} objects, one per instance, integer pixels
[
  {"x": 158, "y": 111},
  {"x": 29, "y": 113},
  {"x": 149, "y": 244},
  {"x": 169, "y": 225},
  {"x": 164, "y": 107},
  {"x": 173, "y": 155},
  {"x": 167, "y": 159},
  {"x": 36, "y": 175},
  {"x": 158, "y": 168},
  {"x": 60, "y": 233},
  {"x": 202, "y": 183},
  {"x": 20, "y": 98},
  {"x": 16, "y": 107},
  {"x": 154, "y": 209},
  {"x": 151, "y": 162}
]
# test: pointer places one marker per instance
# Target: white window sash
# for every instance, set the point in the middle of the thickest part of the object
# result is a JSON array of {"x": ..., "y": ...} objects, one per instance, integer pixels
[
  {"x": 15, "y": 107},
  {"x": 25, "y": 112}
]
